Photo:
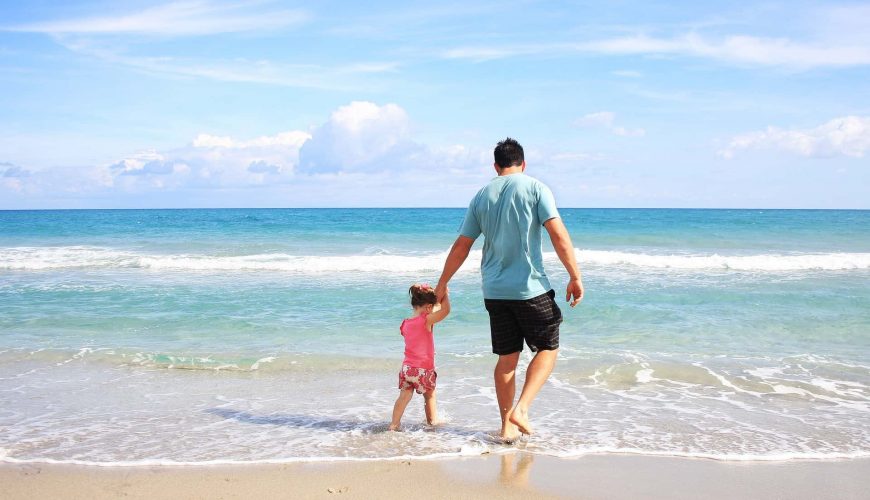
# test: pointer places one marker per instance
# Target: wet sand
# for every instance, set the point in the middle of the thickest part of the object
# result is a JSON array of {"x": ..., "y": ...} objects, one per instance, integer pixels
[{"x": 510, "y": 475}]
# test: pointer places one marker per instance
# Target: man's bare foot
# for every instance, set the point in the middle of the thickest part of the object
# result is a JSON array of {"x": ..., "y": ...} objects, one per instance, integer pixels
[
  {"x": 510, "y": 439},
  {"x": 508, "y": 433},
  {"x": 520, "y": 418},
  {"x": 393, "y": 427}
]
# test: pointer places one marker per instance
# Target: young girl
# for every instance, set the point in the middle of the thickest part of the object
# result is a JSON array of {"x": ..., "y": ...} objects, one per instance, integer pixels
[{"x": 418, "y": 368}]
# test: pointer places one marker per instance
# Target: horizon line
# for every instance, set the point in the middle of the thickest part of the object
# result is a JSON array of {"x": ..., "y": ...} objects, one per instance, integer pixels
[{"x": 415, "y": 208}]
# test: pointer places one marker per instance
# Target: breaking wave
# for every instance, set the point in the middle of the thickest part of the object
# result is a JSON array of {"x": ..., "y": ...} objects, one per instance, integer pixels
[{"x": 84, "y": 257}]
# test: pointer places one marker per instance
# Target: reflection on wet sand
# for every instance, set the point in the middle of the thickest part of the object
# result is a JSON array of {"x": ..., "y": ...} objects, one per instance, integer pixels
[{"x": 515, "y": 468}]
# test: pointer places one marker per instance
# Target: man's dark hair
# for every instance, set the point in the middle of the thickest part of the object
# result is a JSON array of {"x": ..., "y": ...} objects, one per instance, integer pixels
[{"x": 509, "y": 153}]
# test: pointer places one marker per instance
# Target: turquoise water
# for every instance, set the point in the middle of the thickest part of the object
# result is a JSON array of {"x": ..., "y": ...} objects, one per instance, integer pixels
[{"x": 192, "y": 336}]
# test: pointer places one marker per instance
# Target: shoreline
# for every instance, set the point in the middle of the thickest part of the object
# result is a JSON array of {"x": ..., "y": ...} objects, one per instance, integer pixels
[
  {"x": 506, "y": 475},
  {"x": 436, "y": 457}
]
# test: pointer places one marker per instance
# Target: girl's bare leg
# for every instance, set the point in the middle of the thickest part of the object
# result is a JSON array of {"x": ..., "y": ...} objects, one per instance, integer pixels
[
  {"x": 399, "y": 408},
  {"x": 431, "y": 407}
]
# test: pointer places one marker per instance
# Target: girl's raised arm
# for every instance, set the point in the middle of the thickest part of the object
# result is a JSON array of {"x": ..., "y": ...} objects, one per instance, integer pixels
[{"x": 440, "y": 314}]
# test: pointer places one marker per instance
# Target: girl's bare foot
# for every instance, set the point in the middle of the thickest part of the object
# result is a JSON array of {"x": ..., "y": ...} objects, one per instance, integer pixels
[
  {"x": 520, "y": 418},
  {"x": 393, "y": 427}
]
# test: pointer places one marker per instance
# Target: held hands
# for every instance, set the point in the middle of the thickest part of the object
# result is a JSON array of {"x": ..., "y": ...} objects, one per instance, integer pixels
[
  {"x": 575, "y": 290},
  {"x": 441, "y": 291}
]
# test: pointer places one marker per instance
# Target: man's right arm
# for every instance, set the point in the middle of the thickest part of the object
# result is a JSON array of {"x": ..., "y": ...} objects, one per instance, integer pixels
[
  {"x": 565, "y": 250},
  {"x": 458, "y": 253}
]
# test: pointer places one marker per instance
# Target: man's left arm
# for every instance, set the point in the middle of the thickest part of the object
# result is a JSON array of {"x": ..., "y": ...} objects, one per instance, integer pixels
[
  {"x": 458, "y": 253},
  {"x": 565, "y": 250}
]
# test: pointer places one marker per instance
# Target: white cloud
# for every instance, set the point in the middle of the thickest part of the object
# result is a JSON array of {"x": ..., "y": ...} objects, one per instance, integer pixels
[
  {"x": 733, "y": 49},
  {"x": 846, "y": 136},
  {"x": 294, "y": 138},
  {"x": 774, "y": 52},
  {"x": 360, "y": 138},
  {"x": 352, "y": 76},
  {"x": 606, "y": 119},
  {"x": 210, "y": 161},
  {"x": 88, "y": 36},
  {"x": 597, "y": 119},
  {"x": 360, "y": 135},
  {"x": 627, "y": 73},
  {"x": 175, "y": 18},
  {"x": 481, "y": 54},
  {"x": 362, "y": 155},
  {"x": 144, "y": 163}
]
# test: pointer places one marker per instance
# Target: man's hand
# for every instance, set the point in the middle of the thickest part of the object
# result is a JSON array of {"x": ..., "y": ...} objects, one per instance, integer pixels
[
  {"x": 565, "y": 250},
  {"x": 575, "y": 290},
  {"x": 441, "y": 291}
]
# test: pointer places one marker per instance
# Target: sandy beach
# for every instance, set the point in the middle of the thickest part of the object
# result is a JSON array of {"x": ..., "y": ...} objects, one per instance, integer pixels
[{"x": 511, "y": 475}]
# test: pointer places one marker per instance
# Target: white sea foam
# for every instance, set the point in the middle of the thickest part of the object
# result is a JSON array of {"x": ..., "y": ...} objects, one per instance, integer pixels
[
  {"x": 72, "y": 257},
  {"x": 644, "y": 376},
  {"x": 760, "y": 262},
  {"x": 45, "y": 258}
]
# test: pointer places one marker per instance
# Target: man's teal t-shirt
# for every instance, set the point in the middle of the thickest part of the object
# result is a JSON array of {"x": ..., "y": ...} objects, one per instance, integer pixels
[{"x": 510, "y": 212}]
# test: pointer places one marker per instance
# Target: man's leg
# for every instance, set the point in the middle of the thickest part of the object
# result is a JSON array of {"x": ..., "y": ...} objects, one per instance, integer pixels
[
  {"x": 505, "y": 391},
  {"x": 538, "y": 372}
]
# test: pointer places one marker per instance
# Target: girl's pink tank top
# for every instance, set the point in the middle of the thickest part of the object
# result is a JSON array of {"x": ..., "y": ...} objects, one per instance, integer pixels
[{"x": 419, "y": 343}]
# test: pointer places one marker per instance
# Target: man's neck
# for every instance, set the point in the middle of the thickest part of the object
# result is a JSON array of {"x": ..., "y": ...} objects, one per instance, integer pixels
[{"x": 510, "y": 171}]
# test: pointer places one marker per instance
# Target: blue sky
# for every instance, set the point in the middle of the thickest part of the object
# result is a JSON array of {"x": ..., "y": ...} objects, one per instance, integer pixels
[{"x": 107, "y": 104}]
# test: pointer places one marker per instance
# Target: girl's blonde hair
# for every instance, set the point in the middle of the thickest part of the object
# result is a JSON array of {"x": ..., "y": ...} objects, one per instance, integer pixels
[{"x": 422, "y": 295}]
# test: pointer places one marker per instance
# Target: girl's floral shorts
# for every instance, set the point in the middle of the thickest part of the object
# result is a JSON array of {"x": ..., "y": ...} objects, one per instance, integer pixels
[{"x": 418, "y": 379}]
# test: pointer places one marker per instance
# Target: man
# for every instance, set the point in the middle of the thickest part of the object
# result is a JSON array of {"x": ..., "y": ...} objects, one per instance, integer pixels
[{"x": 510, "y": 212}]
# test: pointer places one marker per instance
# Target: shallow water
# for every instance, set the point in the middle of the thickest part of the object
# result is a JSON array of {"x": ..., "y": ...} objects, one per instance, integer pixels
[{"x": 165, "y": 336}]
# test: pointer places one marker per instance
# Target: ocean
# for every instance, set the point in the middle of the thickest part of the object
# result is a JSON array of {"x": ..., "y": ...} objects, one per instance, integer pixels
[{"x": 133, "y": 337}]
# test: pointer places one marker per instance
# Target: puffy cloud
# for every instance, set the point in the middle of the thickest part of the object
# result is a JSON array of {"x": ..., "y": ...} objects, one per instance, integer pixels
[
  {"x": 147, "y": 163},
  {"x": 231, "y": 162},
  {"x": 363, "y": 154},
  {"x": 606, "y": 119},
  {"x": 847, "y": 136},
  {"x": 361, "y": 135}
]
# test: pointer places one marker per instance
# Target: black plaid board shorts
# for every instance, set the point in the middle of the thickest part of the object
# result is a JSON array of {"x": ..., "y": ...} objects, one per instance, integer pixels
[{"x": 534, "y": 320}]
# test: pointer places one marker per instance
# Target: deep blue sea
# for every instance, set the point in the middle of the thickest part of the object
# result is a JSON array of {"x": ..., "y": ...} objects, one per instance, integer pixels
[{"x": 218, "y": 336}]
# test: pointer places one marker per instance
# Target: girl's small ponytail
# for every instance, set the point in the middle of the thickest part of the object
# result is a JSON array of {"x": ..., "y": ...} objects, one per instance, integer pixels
[{"x": 422, "y": 294}]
